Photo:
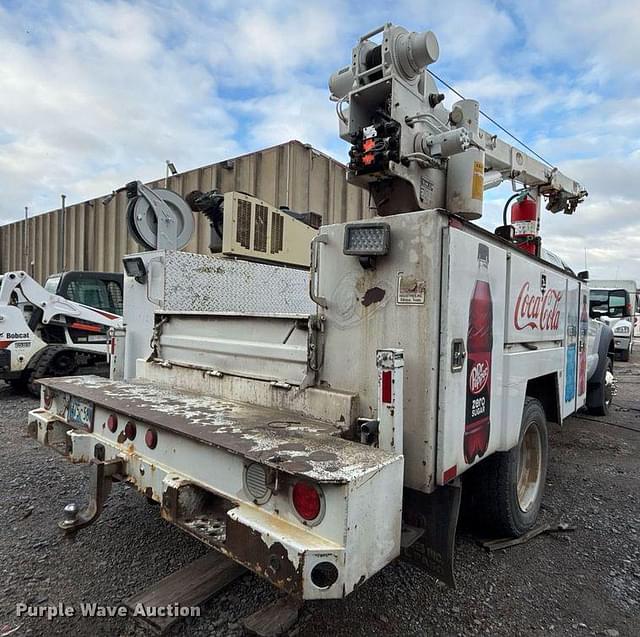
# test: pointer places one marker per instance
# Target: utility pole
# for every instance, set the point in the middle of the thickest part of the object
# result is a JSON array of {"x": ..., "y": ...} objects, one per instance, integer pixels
[
  {"x": 171, "y": 168},
  {"x": 61, "y": 234},
  {"x": 25, "y": 239}
]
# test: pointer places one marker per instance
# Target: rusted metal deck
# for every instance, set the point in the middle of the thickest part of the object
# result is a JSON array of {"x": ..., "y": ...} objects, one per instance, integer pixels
[{"x": 281, "y": 439}]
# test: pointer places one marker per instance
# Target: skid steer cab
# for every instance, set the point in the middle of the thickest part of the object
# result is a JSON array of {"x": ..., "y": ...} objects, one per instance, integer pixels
[{"x": 56, "y": 329}]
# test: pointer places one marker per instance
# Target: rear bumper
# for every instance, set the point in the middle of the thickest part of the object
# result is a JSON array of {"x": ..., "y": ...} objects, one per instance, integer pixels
[{"x": 200, "y": 489}]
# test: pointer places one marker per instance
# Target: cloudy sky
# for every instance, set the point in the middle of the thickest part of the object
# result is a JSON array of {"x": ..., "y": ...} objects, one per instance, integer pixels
[{"x": 94, "y": 92}]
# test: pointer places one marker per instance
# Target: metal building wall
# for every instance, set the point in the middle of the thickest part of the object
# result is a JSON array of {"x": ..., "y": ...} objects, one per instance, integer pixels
[{"x": 96, "y": 238}]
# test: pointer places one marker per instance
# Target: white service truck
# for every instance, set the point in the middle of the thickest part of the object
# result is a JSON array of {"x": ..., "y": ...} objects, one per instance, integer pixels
[
  {"x": 315, "y": 425},
  {"x": 615, "y": 303}
]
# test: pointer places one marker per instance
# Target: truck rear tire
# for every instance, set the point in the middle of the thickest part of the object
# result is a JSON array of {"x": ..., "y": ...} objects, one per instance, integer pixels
[
  {"x": 600, "y": 392},
  {"x": 507, "y": 487}
]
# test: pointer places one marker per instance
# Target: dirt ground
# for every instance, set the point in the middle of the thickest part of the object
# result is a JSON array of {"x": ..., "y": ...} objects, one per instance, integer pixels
[{"x": 586, "y": 582}]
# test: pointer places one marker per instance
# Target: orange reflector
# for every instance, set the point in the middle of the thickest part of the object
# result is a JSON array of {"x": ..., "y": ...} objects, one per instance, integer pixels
[
  {"x": 387, "y": 389},
  {"x": 151, "y": 438},
  {"x": 450, "y": 474},
  {"x": 86, "y": 327},
  {"x": 130, "y": 430},
  {"x": 112, "y": 423}
]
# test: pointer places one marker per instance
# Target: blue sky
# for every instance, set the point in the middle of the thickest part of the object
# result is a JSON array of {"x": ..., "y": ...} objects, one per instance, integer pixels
[{"x": 96, "y": 93}]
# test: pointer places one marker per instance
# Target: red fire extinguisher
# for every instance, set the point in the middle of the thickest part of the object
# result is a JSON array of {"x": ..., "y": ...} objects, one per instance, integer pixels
[{"x": 524, "y": 219}]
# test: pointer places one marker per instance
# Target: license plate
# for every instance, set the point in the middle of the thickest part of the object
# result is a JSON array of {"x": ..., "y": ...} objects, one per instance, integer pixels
[{"x": 81, "y": 413}]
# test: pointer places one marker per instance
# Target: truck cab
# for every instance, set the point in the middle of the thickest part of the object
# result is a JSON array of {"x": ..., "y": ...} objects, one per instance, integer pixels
[{"x": 615, "y": 306}]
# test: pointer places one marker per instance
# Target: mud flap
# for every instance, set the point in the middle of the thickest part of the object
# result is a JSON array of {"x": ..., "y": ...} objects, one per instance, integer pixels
[{"x": 429, "y": 530}]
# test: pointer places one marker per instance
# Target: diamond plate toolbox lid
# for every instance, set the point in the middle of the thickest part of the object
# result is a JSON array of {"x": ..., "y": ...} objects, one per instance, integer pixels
[{"x": 216, "y": 284}]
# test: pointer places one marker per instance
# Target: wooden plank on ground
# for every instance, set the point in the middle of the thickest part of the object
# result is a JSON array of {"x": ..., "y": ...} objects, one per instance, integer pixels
[
  {"x": 192, "y": 585},
  {"x": 274, "y": 619}
]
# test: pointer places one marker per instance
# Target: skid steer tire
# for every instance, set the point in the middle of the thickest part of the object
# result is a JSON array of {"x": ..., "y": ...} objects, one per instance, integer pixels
[
  {"x": 505, "y": 490},
  {"x": 55, "y": 361},
  {"x": 18, "y": 384}
]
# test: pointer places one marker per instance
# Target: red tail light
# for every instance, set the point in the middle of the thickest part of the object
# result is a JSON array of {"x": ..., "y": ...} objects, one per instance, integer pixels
[
  {"x": 306, "y": 500},
  {"x": 112, "y": 423},
  {"x": 130, "y": 430},
  {"x": 151, "y": 438}
]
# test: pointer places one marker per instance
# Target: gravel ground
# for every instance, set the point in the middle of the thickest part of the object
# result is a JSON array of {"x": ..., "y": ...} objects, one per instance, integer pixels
[{"x": 581, "y": 583}]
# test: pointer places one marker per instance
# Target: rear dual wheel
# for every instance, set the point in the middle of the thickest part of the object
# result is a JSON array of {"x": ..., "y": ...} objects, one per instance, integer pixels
[{"x": 506, "y": 488}]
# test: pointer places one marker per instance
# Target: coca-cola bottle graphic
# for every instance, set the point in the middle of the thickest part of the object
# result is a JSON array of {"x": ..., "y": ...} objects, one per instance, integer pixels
[
  {"x": 479, "y": 346},
  {"x": 582, "y": 356}
]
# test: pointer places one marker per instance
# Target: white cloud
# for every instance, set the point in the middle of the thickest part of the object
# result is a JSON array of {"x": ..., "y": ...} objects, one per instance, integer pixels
[
  {"x": 94, "y": 96},
  {"x": 304, "y": 114}
]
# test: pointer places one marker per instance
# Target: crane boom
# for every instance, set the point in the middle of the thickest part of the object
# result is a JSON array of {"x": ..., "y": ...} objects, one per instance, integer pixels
[{"x": 506, "y": 162}]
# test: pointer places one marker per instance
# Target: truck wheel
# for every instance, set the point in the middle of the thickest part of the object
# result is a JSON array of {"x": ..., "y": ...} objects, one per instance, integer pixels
[
  {"x": 509, "y": 485},
  {"x": 600, "y": 393},
  {"x": 626, "y": 354}
]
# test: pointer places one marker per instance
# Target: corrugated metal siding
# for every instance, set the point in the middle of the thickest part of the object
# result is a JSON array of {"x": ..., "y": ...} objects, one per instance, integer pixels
[{"x": 96, "y": 238}]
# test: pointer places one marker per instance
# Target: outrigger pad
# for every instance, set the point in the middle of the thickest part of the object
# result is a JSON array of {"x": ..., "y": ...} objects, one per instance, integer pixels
[{"x": 429, "y": 531}]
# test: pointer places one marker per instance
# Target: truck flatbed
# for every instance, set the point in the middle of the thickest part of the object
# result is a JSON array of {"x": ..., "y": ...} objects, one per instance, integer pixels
[{"x": 284, "y": 440}]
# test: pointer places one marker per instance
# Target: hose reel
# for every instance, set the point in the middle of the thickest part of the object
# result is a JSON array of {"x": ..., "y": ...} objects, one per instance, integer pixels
[{"x": 158, "y": 219}]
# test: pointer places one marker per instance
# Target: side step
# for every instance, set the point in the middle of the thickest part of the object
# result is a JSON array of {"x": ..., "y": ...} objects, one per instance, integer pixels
[{"x": 192, "y": 585}]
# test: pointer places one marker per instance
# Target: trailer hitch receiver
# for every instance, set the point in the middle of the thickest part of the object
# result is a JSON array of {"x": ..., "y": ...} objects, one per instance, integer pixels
[{"x": 102, "y": 471}]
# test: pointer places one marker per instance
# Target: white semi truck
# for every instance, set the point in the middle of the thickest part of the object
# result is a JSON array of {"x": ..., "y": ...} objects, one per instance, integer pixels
[
  {"x": 615, "y": 303},
  {"x": 314, "y": 425}
]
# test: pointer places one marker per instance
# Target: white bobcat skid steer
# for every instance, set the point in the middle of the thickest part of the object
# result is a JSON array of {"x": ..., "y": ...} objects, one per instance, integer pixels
[{"x": 42, "y": 333}]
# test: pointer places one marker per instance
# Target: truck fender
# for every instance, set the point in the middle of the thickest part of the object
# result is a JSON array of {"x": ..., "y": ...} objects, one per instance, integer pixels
[{"x": 605, "y": 347}]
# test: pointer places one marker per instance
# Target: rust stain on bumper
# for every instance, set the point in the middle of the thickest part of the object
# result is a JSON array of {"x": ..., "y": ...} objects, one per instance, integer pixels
[{"x": 272, "y": 562}]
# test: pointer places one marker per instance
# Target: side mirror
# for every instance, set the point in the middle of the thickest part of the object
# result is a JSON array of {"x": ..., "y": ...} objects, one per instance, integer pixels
[{"x": 584, "y": 275}]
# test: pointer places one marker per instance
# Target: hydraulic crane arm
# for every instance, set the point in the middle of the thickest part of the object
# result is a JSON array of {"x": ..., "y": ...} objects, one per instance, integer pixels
[
  {"x": 51, "y": 304},
  {"x": 505, "y": 162}
]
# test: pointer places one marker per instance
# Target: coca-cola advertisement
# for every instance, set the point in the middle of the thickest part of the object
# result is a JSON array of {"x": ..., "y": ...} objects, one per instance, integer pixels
[
  {"x": 537, "y": 304},
  {"x": 479, "y": 346},
  {"x": 537, "y": 311}
]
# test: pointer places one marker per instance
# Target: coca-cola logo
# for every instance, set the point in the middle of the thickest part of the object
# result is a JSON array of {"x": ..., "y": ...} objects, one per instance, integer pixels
[
  {"x": 537, "y": 311},
  {"x": 478, "y": 377}
]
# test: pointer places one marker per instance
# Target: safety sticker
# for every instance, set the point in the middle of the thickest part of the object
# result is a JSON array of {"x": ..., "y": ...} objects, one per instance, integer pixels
[{"x": 411, "y": 290}]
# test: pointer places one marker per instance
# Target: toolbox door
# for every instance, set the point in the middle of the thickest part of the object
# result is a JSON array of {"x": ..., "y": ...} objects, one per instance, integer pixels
[
  {"x": 573, "y": 342},
  {"x": 471, "y": 351}
]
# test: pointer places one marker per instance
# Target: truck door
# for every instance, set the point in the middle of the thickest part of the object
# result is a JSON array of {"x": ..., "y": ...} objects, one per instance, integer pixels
[{"x": 471, "y": 351}]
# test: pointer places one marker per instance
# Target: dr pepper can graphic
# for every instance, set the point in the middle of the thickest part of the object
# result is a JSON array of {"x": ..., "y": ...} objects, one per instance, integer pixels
[{"x": 479, "y": 345}]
